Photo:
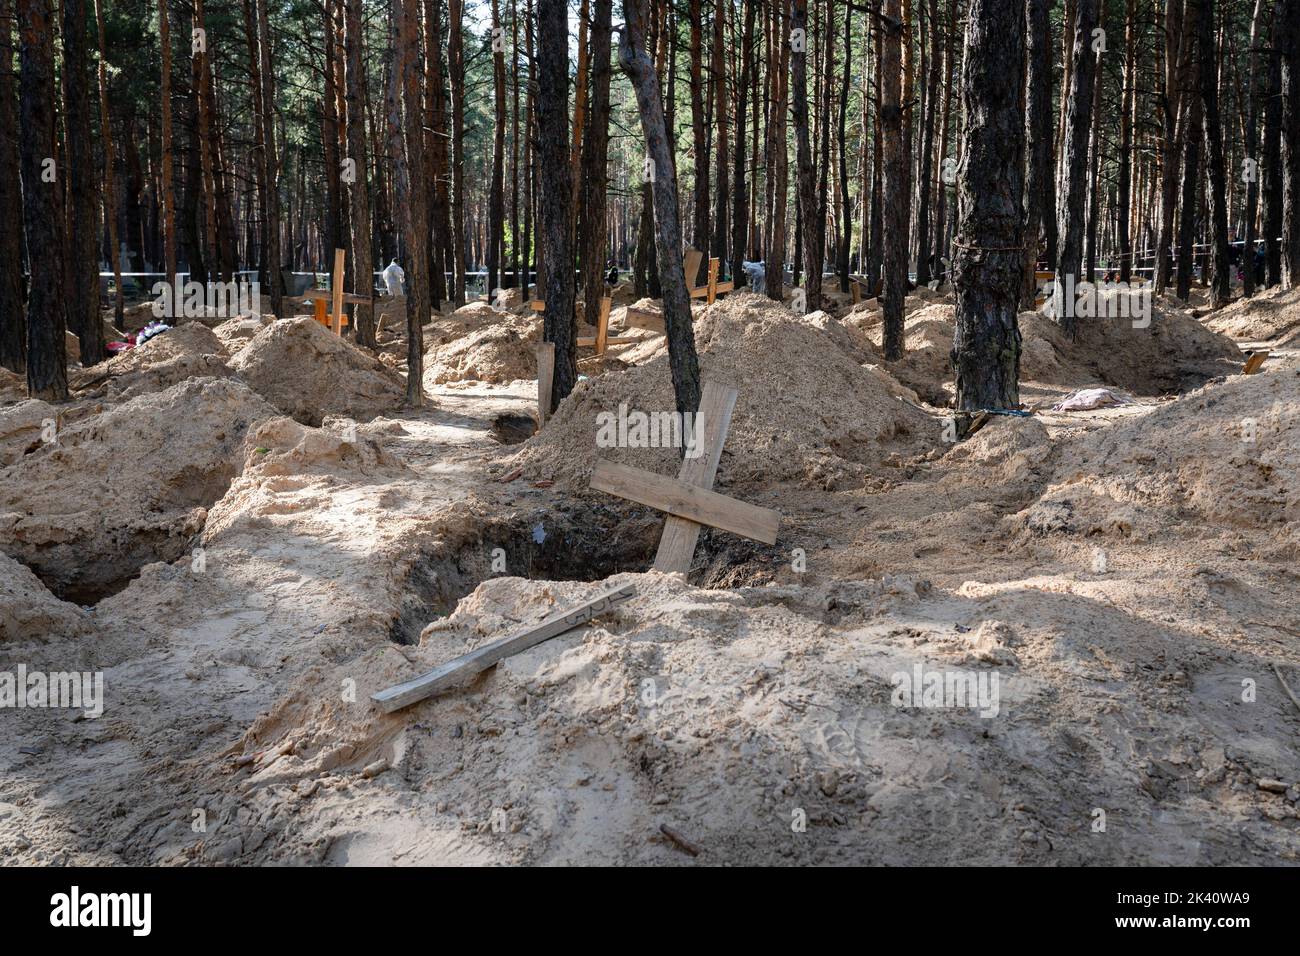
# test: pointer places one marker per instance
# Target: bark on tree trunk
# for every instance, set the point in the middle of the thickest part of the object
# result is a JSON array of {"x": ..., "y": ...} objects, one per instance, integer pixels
[
  {"x": 1290, "y": 50},
  {"x": 13, "y": 332},
  {"x": 110, "y": 191},
  {"x": 456, "y": 75},
  {"x": 496, "y": 197},
  {"x": 740, "y": 204},
  {"x": 812, "y": 259},
  {"x": 359, "y": 189},
  {"x": 988, "y": 264},
  {"x": 595, "y": 161},
  {"x": 556, "y": 191},
  {"x": 81, "y": 195},
  {"x": 677, "y": 305},
  {"x": 1220, "y": 271},
  {"x": 896, "y": 195},
  {"x": 47, "y": 372},
  {"x": 1071, "y": 194},
  {"x": 1039, "y": 127},
  {"x": 1191, "y": 153},
  {"x": 270, "y": 160},
  {"x": 1273, "y": 153},
  {"x": 1252, "y": 149},
  {"x": 409, "y": 171}
]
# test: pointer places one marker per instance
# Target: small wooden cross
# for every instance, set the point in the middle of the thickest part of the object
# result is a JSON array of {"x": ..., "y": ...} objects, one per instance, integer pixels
[
  {"x": 336, "y": 297},
  {"x": 688, "y": 500}
]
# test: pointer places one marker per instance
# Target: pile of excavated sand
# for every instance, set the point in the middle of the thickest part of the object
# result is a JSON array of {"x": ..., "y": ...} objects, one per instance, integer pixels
[
  {"x": 1225, "y": 457},
  {"x": 468, "y": 318},
  {"x": 13, "y": 387},
  {"x": 499, "y": 352},
  {"x": 234, "y": 334},
  {"x": 125, "y": 487},
  {"x": 308, "y": 372},
  {"x": 1174, "y": 353},
  {"x": 1271, "y": 314},
  {"x": 807, "y": 411},
  {"x": 23, "y": 428},
  {"x": 187, "y": 351},
  {"x": 29, "y": 612}
]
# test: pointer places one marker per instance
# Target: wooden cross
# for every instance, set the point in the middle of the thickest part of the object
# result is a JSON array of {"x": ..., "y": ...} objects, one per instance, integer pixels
[
  {"x": 336, "y": 297},
  {"x": 688, "y": 500},
  {"x": 710, "y": 291},
  {"x": 545, "y": 378}
]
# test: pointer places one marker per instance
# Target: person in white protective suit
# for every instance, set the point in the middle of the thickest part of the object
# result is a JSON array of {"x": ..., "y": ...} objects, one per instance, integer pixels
[{"x": 393, "y": 278}]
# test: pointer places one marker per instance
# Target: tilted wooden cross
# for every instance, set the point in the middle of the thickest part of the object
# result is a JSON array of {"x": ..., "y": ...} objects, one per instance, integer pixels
[
  {"x": 335, "y": 297},
  {"x": 688, "y": 499}
]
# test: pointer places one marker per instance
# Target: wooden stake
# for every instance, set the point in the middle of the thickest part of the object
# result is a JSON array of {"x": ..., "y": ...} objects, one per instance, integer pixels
[
  {"x": 466, "y": 666},
  {"x": 336, "y": 287},
  {"x": 713, "y": 280},
  {"x": 545, "y": 376},
  {"x": 602, "y": 325}
]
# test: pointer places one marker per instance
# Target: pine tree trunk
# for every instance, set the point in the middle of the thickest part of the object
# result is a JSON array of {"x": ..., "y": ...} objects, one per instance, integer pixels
[
  {"x": 740, "y": 193},
  {"x": 677, "y": 305},
  {"x": 81, "y": 199},
  {"x": 1127, "y": 107},
  {"x": 1072, "y": 192},
  {"x": 774, "y": 254},
  {"x": 811, "y": 245},
  {"x": 1173, "y": 105},
  {"x": 1039, "y": 127},
  {"x": 13, "y": 332},
  {"x": 456, "y": 75},
  {"x": 1290, "y": 50},
  {"x": 595, "y": 161},
  {"x": 556, "y": 195},
  {"x": 1252, "y": 149},
  {"x": 923, "y": 270},
  {"x": 1191, "y": 152},
  {"x": 359, "y": 189},
  {"x": 895, "y": 193},
  {"x": 47, "y": 372},
  {"x": 270, "y": 160},
  {"x": 1272, "y": 158},
  {"x": 1220, "y": 271},
  {"x": 413, "y": 192},
  {"x": 700, "y": 197},
  {"x": 988, "y": 264}
]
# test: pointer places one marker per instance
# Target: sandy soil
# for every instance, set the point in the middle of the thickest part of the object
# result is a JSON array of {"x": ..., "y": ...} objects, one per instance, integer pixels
[{"x": 1126, "y": 576}]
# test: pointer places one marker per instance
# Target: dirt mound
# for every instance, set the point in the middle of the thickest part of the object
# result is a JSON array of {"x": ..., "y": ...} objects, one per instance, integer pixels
[
  {"x": 500, "y": 352},
  {"x": 1268, "y": 315},
  {"x": 468, "y": 318},
  {"x": 187, "y": 351},
  {"x": 308, "y": 372},
  {"x": 28, "y": 612},
  {"x": 125, "y": 487},
  {"x": 807, "y": 412},
  {"x": 234, "y": 334},
  {"x": 13, "y": 387},
  {"x": 1227, "y": 456},
  {"x": 22, "y": 427}
]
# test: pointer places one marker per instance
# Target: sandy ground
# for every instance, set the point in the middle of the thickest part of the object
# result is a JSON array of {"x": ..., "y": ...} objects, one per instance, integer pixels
[{"x": 1122, "y": 583}]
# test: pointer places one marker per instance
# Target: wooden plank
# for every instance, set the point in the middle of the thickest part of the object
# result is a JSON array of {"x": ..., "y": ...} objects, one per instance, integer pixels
[
  {"x": 686, "y": 501},
  {"x": 537, "y": 305},
  {"x": 545, "y": 376},
  {"x": 641, "y": 319},
  {"x": 855, "y": 288},
  {"x": 467, "y": 666},
  {"x": 318, "y": 312},
  {"x": 602, "y": 325},
  {"x": 714, "y": 265},
  {"x": 727, "y": 286},
  {"x": 326, "y": 295},
  {"x": 336, "y": 286},
  {"x": 677, "y": 543},
  {"x": 1255, "y": 362},
  {"x": 691, "y": 266},
  {"x": 587, "y": 341}
]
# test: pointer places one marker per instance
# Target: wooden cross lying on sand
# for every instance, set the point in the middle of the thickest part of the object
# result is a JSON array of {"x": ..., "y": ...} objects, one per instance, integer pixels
[
  {"x": 463, "y": 668},
  {"x": 688, "y": 499},
  {"x": 336, "y": 296}
]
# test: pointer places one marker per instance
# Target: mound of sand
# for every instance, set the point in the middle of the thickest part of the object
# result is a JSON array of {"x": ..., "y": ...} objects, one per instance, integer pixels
[
  {"x": 500, "y": 351},
  {"x": 308, "y": 372},
  {"x": 13, "y": 387},
  {"x": 21, "y": 428},
  {"x": 1271, "y": 314},
  {"x": 807, "y": 412},
  {"x": 468, "y": 318},
  {"x": 1227, "y": 455},
  {"x": 234, "y": 334},
  {"x": 28, "y": 612},
  {"x": 1175, "y": 352},
  {"x": 186, "y": 351},
  {"x": 125, "y": 487}
]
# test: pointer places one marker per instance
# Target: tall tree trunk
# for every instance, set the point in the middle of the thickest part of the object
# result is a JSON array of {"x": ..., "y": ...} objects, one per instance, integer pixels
[
  {"x": 1039, "y": 127},
  {"x": 896, "y": 195},
  {"x": 740, "y": 192},
  {"x": 1071, "y": 193},
  {"x": 456, "y": 77},
  {"x": 110, "y": 191},
  {"x": 777, "y": 120},
  {"x": 415, "y": 200},
  {"x": 13, "y": 333},
  {"x": 556, "y": 191},
  {"x": 47, "y": 372},
  {"x": 923, "y": 270},
  {"x": 1290, "y": 50},
  {"x": 722, "y": 190},
  {"x": 986, "y": 336},
  {"x": 1220, "y": 272},
  {"x": 812, "y": 253},
  {"x": 1252, "y": 149},
  {"x": 496, "y": 197},
  {"x": 168, "y": 164},
  {"x": 1191, "y": 152},
  {"x": 359, "y": 189},
  {"x": 1173, "y": 104},
  {"x": 436, "y": 153},
  {"x": 846, "y": 201},
  {"x": 1128, "y": 107},
  {"x": 1273, "y": 153},
  {"x": 700, "y": 197},
  {"x": 81, "y": 198},
  {"x": 596, "y": 161},
  {"x": 682, "y": 360},
  {"x": 270, "y": 160}
]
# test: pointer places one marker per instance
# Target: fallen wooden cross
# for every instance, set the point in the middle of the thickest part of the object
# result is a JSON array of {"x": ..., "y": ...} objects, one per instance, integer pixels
[
  {"x": 467, "y": 666},
  {"x": 1255, "y": 362},
  {"x": 687, "y": 499}
]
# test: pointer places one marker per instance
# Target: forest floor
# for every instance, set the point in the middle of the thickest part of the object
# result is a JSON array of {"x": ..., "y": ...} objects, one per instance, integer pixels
[{"x": 253, "y": 537}]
